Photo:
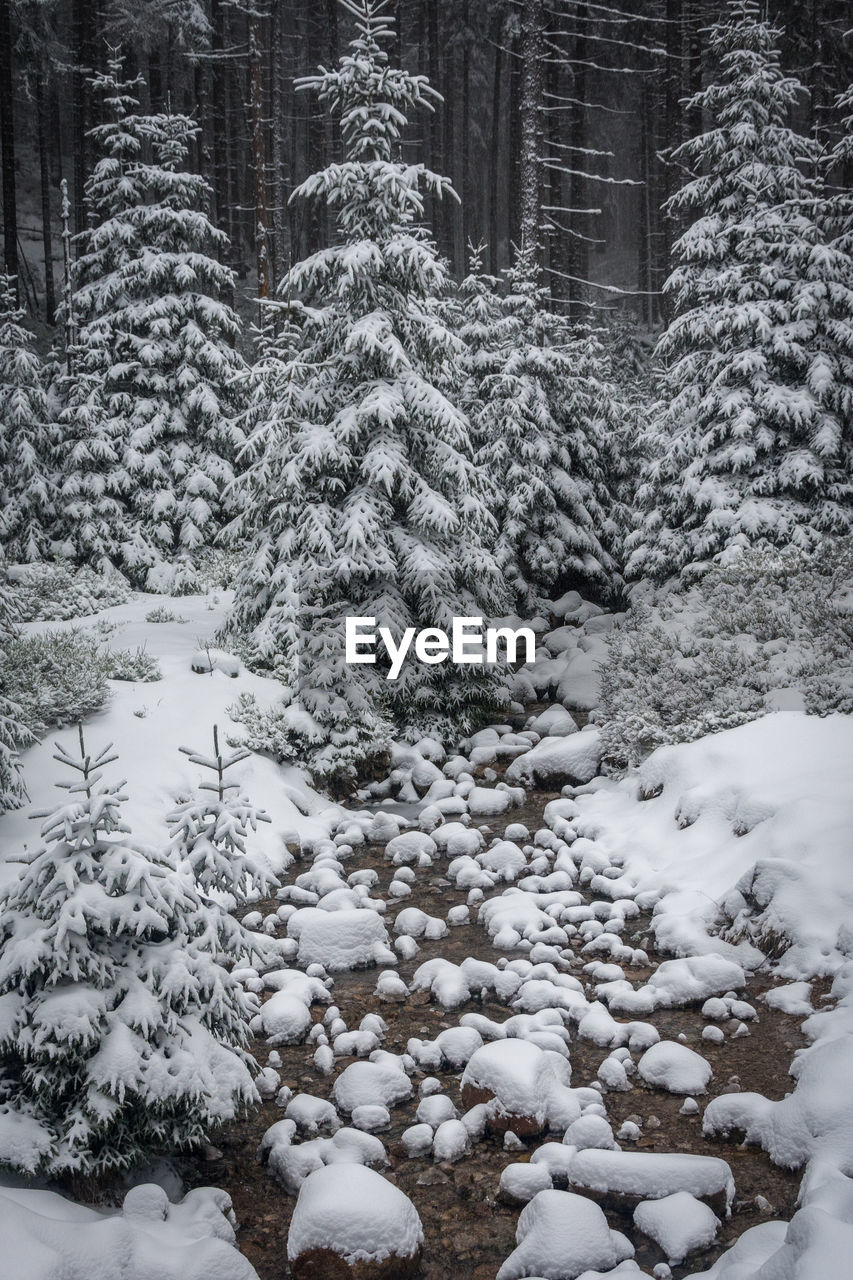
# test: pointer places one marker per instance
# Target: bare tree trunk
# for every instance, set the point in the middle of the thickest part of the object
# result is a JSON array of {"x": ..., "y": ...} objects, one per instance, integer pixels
[
  {"x": 578, "y": 249},
  {"x": 257, "y": 23},
  {"x": 530, "y": 157},
  {"x": 495, "y": 150},
  {"x": 42, "y": 111},
  {"x": 68, "y": 289},
  {"x": 7, "y": 143}
]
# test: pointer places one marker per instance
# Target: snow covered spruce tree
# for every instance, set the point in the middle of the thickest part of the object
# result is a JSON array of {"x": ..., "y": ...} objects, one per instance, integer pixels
[
  {"x": 544, "y": 416},
  {"x": 14, "y": 735},
  {"x": 753, "y": 436},
  {"x": 121, "y": 1031},
  {"x": 27, "y": 482},
  {"x": 377, "y": 498},
  {"x": 209, "y": 834},
  {"x": 150, "y": 405}
]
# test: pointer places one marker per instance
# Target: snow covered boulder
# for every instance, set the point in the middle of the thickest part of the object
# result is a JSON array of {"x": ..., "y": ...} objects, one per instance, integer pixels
[
  {"x": 340, "y": 940},
  {"x": 560, "y": 1236},
  {"x": 672, "y": 1066},
  {"x": 284, "y": 1019},
  {"x": 352, "y": 1224},
  {"x": 378, "y": 1083},
  {"x": 556, "y": 761},
  {"x": 678, "y": 1223},
  {"x": 554, "y": 722},
  {"x": 408, "y": 847},
  {"x": 622, "y": 1178},
  {"x": 515, "y": 1079}
]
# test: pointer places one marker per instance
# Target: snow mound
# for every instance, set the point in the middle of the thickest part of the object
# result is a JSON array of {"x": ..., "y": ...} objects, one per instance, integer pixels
[
  {"x": 672, "y": 1066},
  {"x": 560, "y": 1236},
  {"x": 678, "y": 1223},
  {"x": 354, "y": 1213}
]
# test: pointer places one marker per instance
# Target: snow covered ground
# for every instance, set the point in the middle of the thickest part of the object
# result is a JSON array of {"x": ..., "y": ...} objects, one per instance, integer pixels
[{"x": 738, "y": 844}]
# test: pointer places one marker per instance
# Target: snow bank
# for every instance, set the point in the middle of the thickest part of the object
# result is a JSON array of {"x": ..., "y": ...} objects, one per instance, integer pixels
[
  {"x": 46, "y": 1237},
  {"x": 766, "y": 807}
]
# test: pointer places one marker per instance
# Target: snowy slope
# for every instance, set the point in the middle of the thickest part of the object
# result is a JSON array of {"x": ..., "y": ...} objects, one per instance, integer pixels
[{"x": 148, "y": 722}]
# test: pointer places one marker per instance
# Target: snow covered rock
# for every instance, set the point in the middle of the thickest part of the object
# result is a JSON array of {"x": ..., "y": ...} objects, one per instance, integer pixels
[
  {"x": 340, "y": 940},
  {"x": 515, "y": 1078},
  {"x": 350, "y": 1222},
  {"x": 555, "y": 761},
  {"x": 377, "y": 1083},
  {"x": 560, "y": 1236},
  {"x": 650, "y": 1175},
  {"x": 678, "y": 1223},
  {"x": 672, "y": 1066},
  {"x": 554, "y": 722}
]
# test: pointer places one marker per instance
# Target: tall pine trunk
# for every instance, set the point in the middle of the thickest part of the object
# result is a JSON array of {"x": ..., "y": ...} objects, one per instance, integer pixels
[
  {"x": 7, "y": 144},
  {"x": 530, "y": 157},
  {"x": 42, "y": 113}
]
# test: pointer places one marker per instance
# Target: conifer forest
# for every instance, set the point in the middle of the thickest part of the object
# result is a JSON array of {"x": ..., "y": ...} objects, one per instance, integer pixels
[{"x": 426, "y": 639}]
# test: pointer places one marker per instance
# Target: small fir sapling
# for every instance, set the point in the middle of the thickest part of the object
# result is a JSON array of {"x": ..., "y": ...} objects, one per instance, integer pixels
[
  {"x": 209, "y": 834},
  {"x": 122, "y": 1032}
]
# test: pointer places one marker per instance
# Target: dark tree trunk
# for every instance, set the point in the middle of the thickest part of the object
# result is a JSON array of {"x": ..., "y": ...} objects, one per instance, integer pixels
[
  {"x": 495, "y": 151},
  {"x": 7, "y": 144},
  {"x": 530, "y": 158},
  {"x": 42, "y": 113}
]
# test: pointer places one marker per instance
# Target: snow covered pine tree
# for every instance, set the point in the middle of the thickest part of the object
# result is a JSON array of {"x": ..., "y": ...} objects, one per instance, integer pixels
[
  {"x": 377, "y": 509},
  {"x": 14, "y": 735},
  {"x": 753, "y": 436},
  {"x": 209, "y": 833},
  {"x": 27, "y": 482},
  {"x": 121, "y": 1031},
  {"x": 542, "y": 410},
  {"x": 148, "y": 411}
]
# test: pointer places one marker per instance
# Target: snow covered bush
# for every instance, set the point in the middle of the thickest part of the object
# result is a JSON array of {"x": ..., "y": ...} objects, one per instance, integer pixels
[
  {"x": 131, "y": 664},
  {"x": 56, "y": 677},
  {"x": 121, "y": 1031},
  {"x": 56, "y": 592},
  {"x": 685, "y": 663}
]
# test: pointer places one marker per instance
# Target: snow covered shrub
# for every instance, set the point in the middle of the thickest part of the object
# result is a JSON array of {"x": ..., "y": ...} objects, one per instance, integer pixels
[
  {"x": 162, "y": 614},
  {"x": 132, "y": 664},
  {"x": 683, "y": 664},
  {"x": 58, "y": 592},
  {"x": 122, "y": 1031},
  {"x": 56, "y": 678}
]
